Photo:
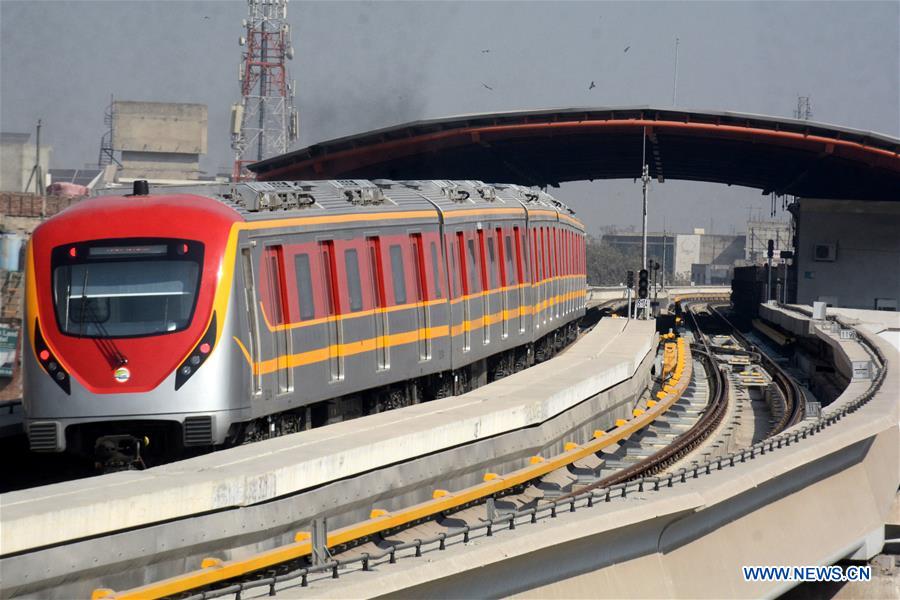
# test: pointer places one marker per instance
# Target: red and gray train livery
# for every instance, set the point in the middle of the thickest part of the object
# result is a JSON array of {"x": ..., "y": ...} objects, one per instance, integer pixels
[{"x": 220, "y": 314}]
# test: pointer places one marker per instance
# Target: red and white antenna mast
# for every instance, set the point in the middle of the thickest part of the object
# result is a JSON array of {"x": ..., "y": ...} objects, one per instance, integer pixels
[{"x": 265, "y": 120}]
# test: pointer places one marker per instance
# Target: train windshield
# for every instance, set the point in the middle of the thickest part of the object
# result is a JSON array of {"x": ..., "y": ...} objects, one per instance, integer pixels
[{"x": 105, "y": 291}]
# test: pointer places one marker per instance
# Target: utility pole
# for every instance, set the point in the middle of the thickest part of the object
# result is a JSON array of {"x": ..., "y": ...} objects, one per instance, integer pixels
[
  {"x": 675, "y": 81},
  {"x": 645, "y": 179},
  {"x": 37, "y": 173}
]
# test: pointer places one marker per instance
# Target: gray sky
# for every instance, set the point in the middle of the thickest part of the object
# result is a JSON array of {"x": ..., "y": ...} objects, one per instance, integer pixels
[{"x": 362, "y": 65}]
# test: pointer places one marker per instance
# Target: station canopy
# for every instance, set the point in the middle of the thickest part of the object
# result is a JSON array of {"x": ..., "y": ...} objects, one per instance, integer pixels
[{"x": 548, "y": 147}]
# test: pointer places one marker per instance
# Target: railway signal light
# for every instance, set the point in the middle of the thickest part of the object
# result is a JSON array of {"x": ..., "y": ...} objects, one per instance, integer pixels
[
  {"x": 643, "y": 287},
  {"x": 629, "y": 279}
]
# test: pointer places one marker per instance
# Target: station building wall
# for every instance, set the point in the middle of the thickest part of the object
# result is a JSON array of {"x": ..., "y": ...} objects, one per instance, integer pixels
[{"x": 848, "y": 252}]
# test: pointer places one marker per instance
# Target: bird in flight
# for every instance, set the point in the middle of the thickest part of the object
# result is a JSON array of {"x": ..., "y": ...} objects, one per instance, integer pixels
[
  {"x": 626, "y": 48},
  {"x": 487, "y": 86},
  {"x": 592, "y": 86},
  {"x": 486, "y": 51}
]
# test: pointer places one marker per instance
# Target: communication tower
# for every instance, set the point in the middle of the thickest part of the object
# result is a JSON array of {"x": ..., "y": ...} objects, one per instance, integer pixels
[
  {"x": 803, "y": 110},
  {"x": 264, "y": 121}
]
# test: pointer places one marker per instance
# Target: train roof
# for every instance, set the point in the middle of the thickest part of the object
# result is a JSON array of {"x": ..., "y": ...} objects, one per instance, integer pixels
[{"x": 273, "y": 200}]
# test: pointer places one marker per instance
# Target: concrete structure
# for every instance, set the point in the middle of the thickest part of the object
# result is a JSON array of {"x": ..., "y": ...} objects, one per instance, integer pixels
[
  {"x": 848, "y": 253},
  {"x": 279, "y": 483},
  {"x": 758, "y": 235},
  {"x": 17, "y": 154},
  {"x": 158, "y": 140}
]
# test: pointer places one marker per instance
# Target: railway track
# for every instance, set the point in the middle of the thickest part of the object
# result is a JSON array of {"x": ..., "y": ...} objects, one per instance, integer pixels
[{"x": 792, "y": 409}]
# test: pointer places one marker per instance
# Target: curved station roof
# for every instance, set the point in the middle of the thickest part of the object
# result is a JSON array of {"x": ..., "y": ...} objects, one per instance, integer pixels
[{"x": 547, "y": 147}]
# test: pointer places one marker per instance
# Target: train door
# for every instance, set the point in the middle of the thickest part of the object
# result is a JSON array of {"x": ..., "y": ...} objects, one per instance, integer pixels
[
  {"x": 332, "y": 310},
  {"x": 250, "y": 303},
  {"x": 485, "y": 290},
  {"x": 420, "y": 287},
  {"x": 278, "y": 304},
  {"x": 465, "y": 271},
  {"x": 520, "y": 276},
  {"x": 376, "y": 266},
  {"x": 502, "y": 260}
]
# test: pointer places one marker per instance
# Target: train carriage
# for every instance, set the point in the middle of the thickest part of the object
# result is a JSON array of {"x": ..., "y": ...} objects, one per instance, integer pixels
[{"x": 215, "y": 315}]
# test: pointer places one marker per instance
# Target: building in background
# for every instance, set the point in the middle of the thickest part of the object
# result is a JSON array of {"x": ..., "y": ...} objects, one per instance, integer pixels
[
  {"x": 758, "y": 235},
  {"x": 17, "y": 159},
  {"x": 159, "y": 141},
  {"x": 697, "y": 257}
]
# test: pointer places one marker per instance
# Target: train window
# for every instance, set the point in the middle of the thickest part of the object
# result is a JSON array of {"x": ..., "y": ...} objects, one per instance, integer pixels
[
  {"x": 351, "y": 260},
  {"x": 398, "y": 275},
  {"x": 510, "y": 272},
  {"x": 435, "y": 271},
  {"x": 304, "y": 286},
  {"x": 128, "y": 298},
  {"x": 520, "y": 267},
  {"x": 555, "y": 248},
  {"x": 470, "y": 269},
  {"x": 454, "y": 271},
  {"x": 463, "y": 265},
  {"x": 332, "y": 305},
  {"x": 545, "y": 248},
  {"x": 535, "y": 257},
  {"x": 492, "y": 267},
  {"x": 418, "y": 272},
  {"x": 277, "y": 295}
]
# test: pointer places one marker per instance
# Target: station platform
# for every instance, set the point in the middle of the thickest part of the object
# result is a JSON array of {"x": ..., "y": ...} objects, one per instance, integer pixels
[{"x": 261, "y": 472}]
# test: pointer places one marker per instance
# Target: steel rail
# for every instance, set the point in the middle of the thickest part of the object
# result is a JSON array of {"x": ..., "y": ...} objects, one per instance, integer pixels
[
  {"x": 794, "y": 400},
  {"x": 684, "y": 443}
]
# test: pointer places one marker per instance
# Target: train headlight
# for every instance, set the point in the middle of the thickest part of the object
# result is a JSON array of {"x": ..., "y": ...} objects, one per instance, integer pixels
[
  {"x": 48, "y": 361},
  {"x": 197, "y": 356}
]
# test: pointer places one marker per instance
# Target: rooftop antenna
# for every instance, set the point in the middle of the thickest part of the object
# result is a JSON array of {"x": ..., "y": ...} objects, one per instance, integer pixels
[
  {"x": 675, "y": 81},
  {"x": 803, "y": 112},
  {"x": 265, "y": 120}
]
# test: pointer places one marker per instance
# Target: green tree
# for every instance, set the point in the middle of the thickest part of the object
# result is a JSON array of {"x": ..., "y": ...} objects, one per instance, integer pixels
[{"x": 606, "y": 264}]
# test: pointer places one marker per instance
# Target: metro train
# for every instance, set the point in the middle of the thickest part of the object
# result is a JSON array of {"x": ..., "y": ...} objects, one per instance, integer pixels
[{"x": 214, "y": 315}]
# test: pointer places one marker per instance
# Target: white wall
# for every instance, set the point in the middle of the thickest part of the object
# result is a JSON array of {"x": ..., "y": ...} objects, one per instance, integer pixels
[{"x": 867, "y": 265}]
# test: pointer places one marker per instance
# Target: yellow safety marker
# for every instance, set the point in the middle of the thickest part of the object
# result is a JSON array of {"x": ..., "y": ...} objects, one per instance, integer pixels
[
  {"x": 637, "y": 412},
  {"x": 651, "y": 403},
  {"x": 599, "y": 433},
  {"x": 302, "y": 536},
  {"x": 381, "y": 520},
  {"x": 208, "y": 562},
  {"x": 491, "y": 476},
  {"x": 439, "y": 494},
  {"x": 569, "y": 446},
  {"x": 535, "y": 460},
  {"x": 661, "y": 395}
]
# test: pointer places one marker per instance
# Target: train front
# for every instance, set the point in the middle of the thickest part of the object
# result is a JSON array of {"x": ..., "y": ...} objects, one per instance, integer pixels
[{"x": 126, "y": 301}]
